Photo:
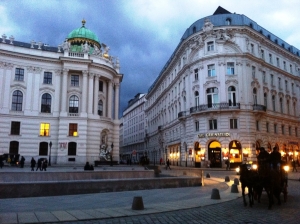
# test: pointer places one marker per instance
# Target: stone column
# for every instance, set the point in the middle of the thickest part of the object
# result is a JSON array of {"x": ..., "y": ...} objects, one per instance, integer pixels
[
  {"x": 90, "y": 96},
  {"x": 57, "y": 83},
  {"x": 84, "y": 92},
  {"x": 105, "y": 101},
  {"x": 64, "y": 101},
  {"x": 117, "y": 97},
  {"x": 96, "y": 93},
  {"x": 8, "y": 72},
  {"x": 109, "y": 99}
]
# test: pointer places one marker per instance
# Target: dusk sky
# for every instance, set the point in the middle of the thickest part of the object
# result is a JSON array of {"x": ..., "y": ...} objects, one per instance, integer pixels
[{"x": 141, "y": 33}]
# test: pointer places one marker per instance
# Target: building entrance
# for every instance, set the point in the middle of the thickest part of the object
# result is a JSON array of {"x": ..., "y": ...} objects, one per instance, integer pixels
[{"x": 214, "y": 154}]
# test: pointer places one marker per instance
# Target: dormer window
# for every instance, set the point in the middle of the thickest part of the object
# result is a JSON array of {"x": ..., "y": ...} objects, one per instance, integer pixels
[
  {"x": 194, "y": 29},
  {"x": 210, "y": 46}
]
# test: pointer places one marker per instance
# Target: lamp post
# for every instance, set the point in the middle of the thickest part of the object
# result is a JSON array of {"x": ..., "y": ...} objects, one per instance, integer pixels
[
  {"x": 50, "y": 145},
  {"x": 111, "y": 159}
]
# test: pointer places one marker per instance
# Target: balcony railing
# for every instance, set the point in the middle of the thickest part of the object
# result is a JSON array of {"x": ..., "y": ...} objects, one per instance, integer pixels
[
  {"x": 214, "y": 107},
  {"x": 182, "y": 114},
  {"x": 259, "y": 107}
]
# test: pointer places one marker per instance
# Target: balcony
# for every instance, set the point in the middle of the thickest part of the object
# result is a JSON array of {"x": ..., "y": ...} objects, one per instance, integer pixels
[
  {"x": 182, "y": 115},
  {"x": 215, "y": 107},
  {"x": 258, "y": 107}
]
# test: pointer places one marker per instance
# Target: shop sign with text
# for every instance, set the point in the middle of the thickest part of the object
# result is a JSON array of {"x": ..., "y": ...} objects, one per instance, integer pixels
[{"x": 218, "y": 134}]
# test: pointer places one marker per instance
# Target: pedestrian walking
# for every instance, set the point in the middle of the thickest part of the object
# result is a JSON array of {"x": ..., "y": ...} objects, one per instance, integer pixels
[
  {"x": 32, "y": 164},
  {"x": 227, "y": 162},
  {"x": 44, "y": 165},
  {"x": 168, "y": 164},
  {"x": 294, "y": 165},
  {"x": 39, "y": 164},
  {"x": 22, "y": 162}
]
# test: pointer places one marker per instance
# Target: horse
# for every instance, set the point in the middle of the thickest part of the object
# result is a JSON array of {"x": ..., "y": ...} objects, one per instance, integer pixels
[{"x": 247, "y": 179}]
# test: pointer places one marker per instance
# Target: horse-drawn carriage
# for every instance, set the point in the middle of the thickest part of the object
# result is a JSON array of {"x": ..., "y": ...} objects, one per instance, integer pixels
[{"x": 274, "y": 181}]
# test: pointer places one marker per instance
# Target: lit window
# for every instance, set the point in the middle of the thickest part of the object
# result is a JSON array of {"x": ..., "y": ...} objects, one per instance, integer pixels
[
  {"x": 210, "y": 46},
  {"x": 73, "y": 129},
  {"x": 230, "y": 68},
  {"x": 19, "y": 75},
  {"x": 47, "y": 78},
  {"x": 211, "y": 70},
  {"x": 44, "y": 129},
  {"x": 74, "y": 80}
]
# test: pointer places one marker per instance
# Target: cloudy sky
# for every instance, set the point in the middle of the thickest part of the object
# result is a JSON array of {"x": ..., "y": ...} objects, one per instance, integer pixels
[{"x": 142, "y": 33}]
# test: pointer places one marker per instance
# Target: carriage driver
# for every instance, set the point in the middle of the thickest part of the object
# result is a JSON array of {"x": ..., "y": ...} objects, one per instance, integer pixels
[
  {"x": 275, "y": 158},
  {"x": 263, "y": 159}
]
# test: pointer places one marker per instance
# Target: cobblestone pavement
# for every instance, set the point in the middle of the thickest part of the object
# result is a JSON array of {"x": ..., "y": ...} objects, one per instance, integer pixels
[{"x": 227, "y": 212}]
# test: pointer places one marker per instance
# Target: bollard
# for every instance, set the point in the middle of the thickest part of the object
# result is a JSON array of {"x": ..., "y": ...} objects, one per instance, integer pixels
[
  {"x": 234, "y": 188},
  {"x": 207, "y": 175},
  {"x": 202, "y": 178},
  {"x": 137, "y": 203},
  {"x": 236, "y": 181},
  {"x": 215, "y": 194},
  {"x": 227, "y": 179}
]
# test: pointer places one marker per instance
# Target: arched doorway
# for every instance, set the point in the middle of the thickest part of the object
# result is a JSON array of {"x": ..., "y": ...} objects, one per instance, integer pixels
[{"x": 214, "y": 154}]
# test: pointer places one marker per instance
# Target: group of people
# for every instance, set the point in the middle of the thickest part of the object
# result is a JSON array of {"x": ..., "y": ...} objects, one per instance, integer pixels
[
  {"x": 88, "y": 166},
  {"x": 42, "y": 164}
]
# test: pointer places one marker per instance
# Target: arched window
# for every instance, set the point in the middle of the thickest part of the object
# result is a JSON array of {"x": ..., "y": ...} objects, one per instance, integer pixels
[
  {"x": 196, "y": 98},
  {"x": 100, "y": 108},
  {"x": 212, "y": 97},
  {"x": 231, "y": 96},
  {"x": 73, "y": 104},
  {"x": 72, "y": 148},
  {"x": 228, "y": 21},
  {"x": 254, "y": 96},
  {"x": 17, "y": 101},
  {"x": 266, "y": 100},
  {"x": 14, "y": 147},
  {"x": 281, "y": 105},
  {"x": 273, "y": 103},
  {"x": 46, "y": 103}
]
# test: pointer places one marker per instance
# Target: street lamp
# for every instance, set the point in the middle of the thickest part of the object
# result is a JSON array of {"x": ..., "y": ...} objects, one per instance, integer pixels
[
  {"x": 111, "y": 159},
  {"x": 50, "y": 145}
]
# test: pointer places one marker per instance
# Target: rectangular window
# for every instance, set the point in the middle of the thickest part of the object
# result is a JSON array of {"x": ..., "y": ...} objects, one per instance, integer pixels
[
  {"x": 73, "y": 129},
  {"x": 196, "y": 73},
  {"x": 275, "y": 128},
  {"x": 19, "y": 75},
  {"x": 101, "y": 86},
  {"x": 210, "y": 46},
  {"x": 272, "y": 80},
  {"x": 252, "y": 48},
  {"x": 253, "y": 71},
  {"x": 278, "y": 62},
  {"x": 296, "y": 132},
  {"x": 264, "y": 76},
  {"x": 233, "y": 124},
  {"x": 292, "y": 87},
  {"x": 211, "y": 70},
  {"x": 284, "y": 65},
  {"x": 257, "y": 125},
  {"x": 44, "y": 129},
  {"x": 267, "y": 126},
  {"x": 47, "y": 78},
  {"x": 74, "y": 80},
  {"x": 290, "y": 130},
  {"x": 279, "y": 83},
  {"x": 282, "y": 129},
  {"x": 286, "y": 85},
  {"x": 270, "y": 59},
  {"x": 230, "y": 68},
  {"x": 291, "y": 69},
  {"x": 213, "y": 124},
  {"x": 262, "y": 52},
  {"x": 197, "y": 125},
  {"x": 15, "y": 128}
]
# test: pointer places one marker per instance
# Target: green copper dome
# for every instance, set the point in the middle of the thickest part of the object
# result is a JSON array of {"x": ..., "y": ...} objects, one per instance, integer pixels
[{"x": 82, "y": 35}]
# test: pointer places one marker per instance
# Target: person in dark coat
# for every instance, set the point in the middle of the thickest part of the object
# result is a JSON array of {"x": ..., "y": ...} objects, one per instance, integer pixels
[
  {"x": 168, "y": 164},
  {"x": 22, "y": 162},
  {"x": 44, "y": 165},
  {"x": 32, "y": 164},
  {"x": 39, "y": 164},
  {"x": 275, "y": 159},
  {"x": 87, "y": 166}
]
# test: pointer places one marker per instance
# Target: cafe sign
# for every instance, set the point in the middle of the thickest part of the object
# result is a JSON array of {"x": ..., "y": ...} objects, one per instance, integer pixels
[{"x": 217, "y": 134}]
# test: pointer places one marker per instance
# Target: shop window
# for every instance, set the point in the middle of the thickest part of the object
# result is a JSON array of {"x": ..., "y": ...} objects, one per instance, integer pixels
[
  {"x": 44, "y": 129},
  {"x": 73, "y": 129},
  {"x": 15, "y": 128}
]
